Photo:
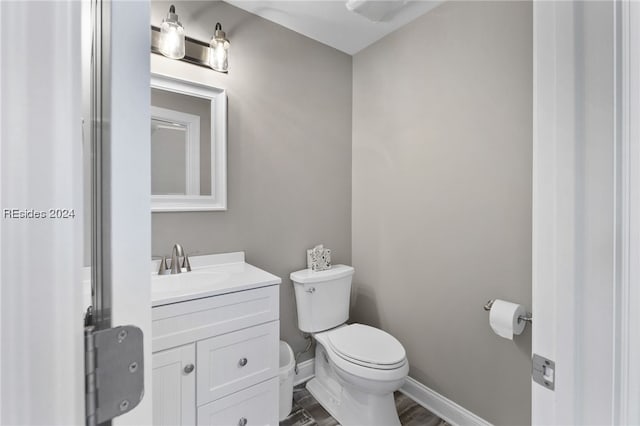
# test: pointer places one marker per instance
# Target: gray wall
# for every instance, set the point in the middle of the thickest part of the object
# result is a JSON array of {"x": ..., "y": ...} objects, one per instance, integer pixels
[
  {"x": 289, "y": 148},
  {"x": 442, "y": 158}
]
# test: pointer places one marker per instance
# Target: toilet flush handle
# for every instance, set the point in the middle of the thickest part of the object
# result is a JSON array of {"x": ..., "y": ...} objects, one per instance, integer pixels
[{"x": 311, "y": 290}]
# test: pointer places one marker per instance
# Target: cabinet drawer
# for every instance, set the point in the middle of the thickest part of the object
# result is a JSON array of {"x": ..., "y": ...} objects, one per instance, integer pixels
[
  {"x": 234, "y": 361},
  {"x": 257, "y": 404},
  {"x": 185, "y": 322}
]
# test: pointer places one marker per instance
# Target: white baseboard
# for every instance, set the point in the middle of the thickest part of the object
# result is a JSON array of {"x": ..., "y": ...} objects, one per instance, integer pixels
[
  {"x": 441, "y": 406},
  {"x": 306, "y": 371},
  {"x": 428, "y": 398}
]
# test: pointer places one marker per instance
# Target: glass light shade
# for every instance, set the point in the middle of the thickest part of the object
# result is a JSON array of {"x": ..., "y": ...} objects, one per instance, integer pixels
[
  {"x": 219, "y": 55},
  {"x": 219, "y": 50},
  {"x": 172, "y": 37}
]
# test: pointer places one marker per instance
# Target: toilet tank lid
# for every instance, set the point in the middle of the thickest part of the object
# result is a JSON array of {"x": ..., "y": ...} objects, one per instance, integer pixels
[{"x": 306, "y": 276}]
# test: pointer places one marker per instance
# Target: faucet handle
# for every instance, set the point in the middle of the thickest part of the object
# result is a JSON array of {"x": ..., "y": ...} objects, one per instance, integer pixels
[
  {"x": 163, "y": 266},
  {"x": 185, "y": 263}
]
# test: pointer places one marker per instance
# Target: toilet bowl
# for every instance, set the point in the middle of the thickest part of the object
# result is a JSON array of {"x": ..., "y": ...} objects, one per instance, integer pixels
[
  {"x": 357, "y": 367},
  {"x": 366, "y": 357}
]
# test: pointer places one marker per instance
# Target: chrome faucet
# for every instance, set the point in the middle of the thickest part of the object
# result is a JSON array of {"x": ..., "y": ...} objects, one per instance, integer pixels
[{"x": 177, "y": 264}]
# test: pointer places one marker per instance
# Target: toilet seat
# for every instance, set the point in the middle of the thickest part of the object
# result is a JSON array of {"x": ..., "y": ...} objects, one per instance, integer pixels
[{"x": 367, "y": 347}]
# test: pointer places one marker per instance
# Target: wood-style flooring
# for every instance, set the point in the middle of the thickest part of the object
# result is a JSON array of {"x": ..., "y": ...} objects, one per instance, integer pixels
[{"x": 306, "y": 411}]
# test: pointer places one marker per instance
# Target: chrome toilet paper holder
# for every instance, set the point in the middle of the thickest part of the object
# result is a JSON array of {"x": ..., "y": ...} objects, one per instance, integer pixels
[{"x": 528, "y": 317}]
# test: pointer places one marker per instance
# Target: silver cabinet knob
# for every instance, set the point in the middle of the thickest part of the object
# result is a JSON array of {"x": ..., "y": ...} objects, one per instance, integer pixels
[
  {"x": 242, "y": 363},
  {"x": 242, "y": 421},
  {"x": 189, "y": 368}
]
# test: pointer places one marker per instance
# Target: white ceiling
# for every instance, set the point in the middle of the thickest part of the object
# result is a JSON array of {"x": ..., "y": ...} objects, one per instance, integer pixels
[{"x": 329, "y": 21}]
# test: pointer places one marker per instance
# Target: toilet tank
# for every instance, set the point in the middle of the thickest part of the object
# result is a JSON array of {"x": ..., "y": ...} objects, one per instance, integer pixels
[{"x": 322, "y": 297}]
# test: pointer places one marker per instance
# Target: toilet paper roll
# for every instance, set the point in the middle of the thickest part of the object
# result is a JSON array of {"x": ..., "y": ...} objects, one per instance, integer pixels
[{"x": 503, "y": 318}]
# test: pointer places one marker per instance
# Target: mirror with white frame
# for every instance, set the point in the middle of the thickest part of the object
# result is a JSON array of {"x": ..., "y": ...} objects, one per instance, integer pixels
[{"x": 188, "y": 146}]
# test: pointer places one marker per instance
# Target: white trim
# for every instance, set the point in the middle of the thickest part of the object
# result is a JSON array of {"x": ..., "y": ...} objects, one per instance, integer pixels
[
  {"x": 633, "y": 123},
  {"x": 428, "y": 398},
  {"x": 627, "y": 288},
  {"x": 441, "y": 406},
  {"x": 306, "y": 372},
  {"x": 553, "y": 207},
  {"x": 218, "y": 97},
  {"x": 129, "y": 230},
  {"x": 621, "y": 218}
]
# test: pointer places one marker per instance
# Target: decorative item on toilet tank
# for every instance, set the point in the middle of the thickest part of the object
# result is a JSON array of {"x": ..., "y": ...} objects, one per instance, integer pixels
[{"x": 319, "y": 258}]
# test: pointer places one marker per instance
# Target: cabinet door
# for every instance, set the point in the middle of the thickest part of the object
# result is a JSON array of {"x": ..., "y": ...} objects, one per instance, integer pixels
[{"x": 174, "y": 386}]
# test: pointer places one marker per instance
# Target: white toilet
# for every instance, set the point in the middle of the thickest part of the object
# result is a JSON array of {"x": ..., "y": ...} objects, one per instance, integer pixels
[{"x": 357, "y": 367}]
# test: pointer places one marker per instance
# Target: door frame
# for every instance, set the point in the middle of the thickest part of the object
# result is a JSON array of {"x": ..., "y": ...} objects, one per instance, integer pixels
[
  {"x": 128, "y": 170},
  {"x": 626, "y": 392},
  {"x": 564, "y": 300}
]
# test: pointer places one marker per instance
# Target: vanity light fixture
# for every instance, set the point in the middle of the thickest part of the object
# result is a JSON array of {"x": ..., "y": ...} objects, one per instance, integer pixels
[
  {"x": 172, "y": 36},
  {"x": 219, "y": 52},
  {"x": 170, "y": 40}
]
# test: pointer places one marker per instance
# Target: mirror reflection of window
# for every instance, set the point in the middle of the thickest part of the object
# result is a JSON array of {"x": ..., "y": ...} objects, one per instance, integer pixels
[
  {"x": 168, "y": 158},
  {"x": 188, "y": 106}
]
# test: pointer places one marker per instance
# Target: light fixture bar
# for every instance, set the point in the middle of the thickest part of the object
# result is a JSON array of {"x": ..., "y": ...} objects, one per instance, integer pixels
[{"x": 196, "y": 51}]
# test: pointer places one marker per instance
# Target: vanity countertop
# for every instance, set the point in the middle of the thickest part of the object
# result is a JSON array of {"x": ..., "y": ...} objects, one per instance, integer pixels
[{"x": 211, "y": 275}]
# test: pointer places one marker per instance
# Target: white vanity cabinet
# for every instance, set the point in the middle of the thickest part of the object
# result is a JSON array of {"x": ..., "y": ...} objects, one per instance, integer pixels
[{"x": 215, "y": 359}]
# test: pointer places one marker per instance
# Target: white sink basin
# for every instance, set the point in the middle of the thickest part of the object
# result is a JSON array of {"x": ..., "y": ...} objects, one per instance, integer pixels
[
  {"x": 211, "y": 275},
  {"x": 194, "y": 281}
]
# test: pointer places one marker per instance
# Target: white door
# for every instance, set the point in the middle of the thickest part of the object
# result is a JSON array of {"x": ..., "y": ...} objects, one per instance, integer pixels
[
  {"x": 41, "y": 354},
  {"x": 585, "y": 287},
  {"x": 42, "y": 84}
]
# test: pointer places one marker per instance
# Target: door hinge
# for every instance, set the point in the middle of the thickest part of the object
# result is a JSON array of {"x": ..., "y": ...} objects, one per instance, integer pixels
[
  {"x": 114, "y": 372},
  {"x": 543, "y": 371}
]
